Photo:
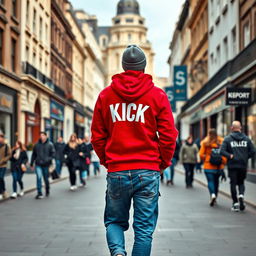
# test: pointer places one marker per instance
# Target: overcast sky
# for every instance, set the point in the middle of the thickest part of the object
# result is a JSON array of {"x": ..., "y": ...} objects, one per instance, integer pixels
[{"x": 161, "y": 17}]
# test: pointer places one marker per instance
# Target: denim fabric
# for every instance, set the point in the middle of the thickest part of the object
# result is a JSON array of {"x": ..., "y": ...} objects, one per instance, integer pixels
[
  {"x": 174, "y": 162},
  {"x": 143, "y": 187},
  {"x": 212, "y": 177},
  {"x": 58, "y": 166},
  {"x": 42, "y": 172},
  {"x": 96, "y": 167},
  {"x": 167, "y": 174},
  {"x": 2, "y": 183},
  {"x": 17, "y": 177}
]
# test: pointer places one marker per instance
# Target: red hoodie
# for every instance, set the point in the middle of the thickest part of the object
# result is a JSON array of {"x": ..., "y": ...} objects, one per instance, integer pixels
[{"x": 133, "y": 126}]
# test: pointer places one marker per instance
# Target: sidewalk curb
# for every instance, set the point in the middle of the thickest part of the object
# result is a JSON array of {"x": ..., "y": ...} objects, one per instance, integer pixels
[
  {"x": 29, "y": 190},
  {"x": 204, "y": 184}
]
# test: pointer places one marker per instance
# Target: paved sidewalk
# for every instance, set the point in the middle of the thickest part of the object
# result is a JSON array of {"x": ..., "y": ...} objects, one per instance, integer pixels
[{"x": 250, "y": 188}]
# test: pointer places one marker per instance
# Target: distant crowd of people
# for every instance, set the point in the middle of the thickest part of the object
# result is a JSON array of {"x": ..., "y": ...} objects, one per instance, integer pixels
[
  {"x": 47, "y": 159},
  {"x": 215, "y": 153}
]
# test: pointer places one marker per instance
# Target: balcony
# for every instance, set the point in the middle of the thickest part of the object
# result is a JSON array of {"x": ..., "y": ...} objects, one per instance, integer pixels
[{"x": 31, "y": 70}]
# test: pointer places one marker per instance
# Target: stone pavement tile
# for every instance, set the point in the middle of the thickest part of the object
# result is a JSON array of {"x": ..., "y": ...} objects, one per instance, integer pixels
[{"x": 21, "y": 254}]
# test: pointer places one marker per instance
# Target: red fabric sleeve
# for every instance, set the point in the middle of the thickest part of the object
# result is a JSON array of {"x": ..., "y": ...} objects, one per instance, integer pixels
[
  {"x": 99, "y": 133},
  {"x": 167, "y": 132}
]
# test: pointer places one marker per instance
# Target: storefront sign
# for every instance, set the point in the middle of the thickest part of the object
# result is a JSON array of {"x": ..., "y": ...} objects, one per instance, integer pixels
[
  {"x": 170, "y": 94},
  {"x": 57, "y": 111},
  {"x": 180, "y": 82},
  {"x": 6, "y": 102},
  {"x": 79, "y": 120},
  {"x": 214, "y": 107},
  {"x": 238, "y": 96},
  {"x": 32, "y": 120}
]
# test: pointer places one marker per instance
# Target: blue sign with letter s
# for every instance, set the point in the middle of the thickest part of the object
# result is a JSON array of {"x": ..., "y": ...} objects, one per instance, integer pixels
[{"x": 180, "y": 81}]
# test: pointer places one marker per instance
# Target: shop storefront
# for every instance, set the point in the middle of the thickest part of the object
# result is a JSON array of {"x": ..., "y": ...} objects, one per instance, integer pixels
[
  {"x": 79, "y": 124},
  {"x": 57, "y": 119},
  {"x": 8, "y": 114}
]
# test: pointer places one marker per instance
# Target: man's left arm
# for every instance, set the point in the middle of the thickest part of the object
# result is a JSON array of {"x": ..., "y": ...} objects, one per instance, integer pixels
[{"x": 167, "y": 133}]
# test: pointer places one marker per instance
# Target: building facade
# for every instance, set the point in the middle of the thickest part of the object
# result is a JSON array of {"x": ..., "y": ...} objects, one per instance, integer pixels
[
  {"x": 62, "y": 40},
  {"x": 10, "y": 16},
  {"x": 128, "y": 27},
  {"x": 36, "y": 64}
]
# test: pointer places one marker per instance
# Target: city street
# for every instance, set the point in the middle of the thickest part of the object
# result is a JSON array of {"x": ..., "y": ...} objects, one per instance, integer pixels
[{"x": 71, "y": 223}]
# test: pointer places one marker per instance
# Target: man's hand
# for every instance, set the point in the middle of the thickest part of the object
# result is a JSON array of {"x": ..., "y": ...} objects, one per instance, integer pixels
[
  {"x": 32, "y": 168},
  {"x": 81, "y": 154},
  {"x": 231, "y": 156},
  {"x": 162, "y": 171}
]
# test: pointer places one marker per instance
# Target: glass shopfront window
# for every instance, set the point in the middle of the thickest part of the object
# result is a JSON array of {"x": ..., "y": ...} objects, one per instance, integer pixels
[{"x": 251, "y": 121}]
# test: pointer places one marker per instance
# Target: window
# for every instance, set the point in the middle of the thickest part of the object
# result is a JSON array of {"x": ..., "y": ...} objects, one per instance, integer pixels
[
  {"x": 218, "y": 56},
  {"x": 129, "y": 37},
  {"x": 141, "y": 22},
  {"x": 234, "y": 43},
  {"x": 247, "y": 34},
  {"x": 40, "y": 64},
  {"x": 117, "y": 21},
  {"x": 14, "y": 8},
  {"x": 27, "y": 53},
  {"x": 129, "y": 20},
  {"x": 225, "y": 45},
  {"x": 27, "y": 12},
  {"x": 41, "y": 29},
  {"x": 46, "y": 33},
  {"x": 1, "y": 46},
  {"x": 212, "y": 59},
  {"x": 13, "y": 55},
  {"x": 34, "y": 59},
  {"x": 2, "y": 2},
  {"x": 34, "y": 22}
]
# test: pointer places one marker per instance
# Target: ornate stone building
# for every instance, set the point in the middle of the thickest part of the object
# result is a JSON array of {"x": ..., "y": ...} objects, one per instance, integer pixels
[{"x": 128, "y": 27}]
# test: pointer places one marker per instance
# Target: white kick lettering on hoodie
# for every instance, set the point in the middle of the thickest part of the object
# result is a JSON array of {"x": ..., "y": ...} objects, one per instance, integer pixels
[{"x": 128, "y": 112}]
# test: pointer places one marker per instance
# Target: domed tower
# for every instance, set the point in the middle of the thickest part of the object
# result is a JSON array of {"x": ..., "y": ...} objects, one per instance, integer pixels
[{"x": 128, "y": 27}]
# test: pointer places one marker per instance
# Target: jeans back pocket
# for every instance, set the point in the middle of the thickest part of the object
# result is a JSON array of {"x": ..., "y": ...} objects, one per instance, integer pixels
[
  {"x": 149, "y": 184},
  {"x": 114, "y": 187}
]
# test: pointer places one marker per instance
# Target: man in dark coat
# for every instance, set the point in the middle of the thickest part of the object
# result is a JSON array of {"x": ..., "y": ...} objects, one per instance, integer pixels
[
  {"x": 42, "y": 156},
  {"x": 59, "y": 156},
  {"x": 237, "y": 148}
]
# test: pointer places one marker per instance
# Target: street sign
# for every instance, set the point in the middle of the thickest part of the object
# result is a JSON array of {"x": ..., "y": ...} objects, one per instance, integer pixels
[
  {"x": 180, "y": 82},
  {"x": 170, "y": 94},
  {"x": 238, "y": 96}
]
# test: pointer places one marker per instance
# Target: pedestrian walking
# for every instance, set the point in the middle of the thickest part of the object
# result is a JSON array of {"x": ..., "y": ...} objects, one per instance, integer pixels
[
  {"x": 19, "y": 161},
  {"x": 189, "y": 158},
  {"x": 73, "y": 163},
  {"x": 96, "y": 163},
  {"x": 59, "y": 155},
  {"x": 88, "y": 150},
  {"x": 5, "y": 154},
  {"x": 237, "y": 148},
  {"x": 43, "y": 155},
  {"x": 84, "y": 156},
  {"x": 175, "y": 160},
  {"x": 133, "y": 134},
  {"x": 214, "y": 163},
  {"x": 199, "y": 163}
]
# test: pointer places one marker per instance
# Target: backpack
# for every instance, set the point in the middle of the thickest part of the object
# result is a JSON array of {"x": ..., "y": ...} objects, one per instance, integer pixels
[{"x": 216, "y": 157}]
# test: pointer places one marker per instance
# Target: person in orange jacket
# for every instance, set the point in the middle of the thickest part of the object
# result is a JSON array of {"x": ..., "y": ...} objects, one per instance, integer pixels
[{"x": 213, "y": 163}]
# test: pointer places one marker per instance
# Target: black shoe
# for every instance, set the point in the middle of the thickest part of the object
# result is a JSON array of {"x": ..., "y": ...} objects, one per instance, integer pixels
[
  {"x": 47, "y": 194},
  {"x": 241, "y": 203},
  {"x": 39, "y": 196}
]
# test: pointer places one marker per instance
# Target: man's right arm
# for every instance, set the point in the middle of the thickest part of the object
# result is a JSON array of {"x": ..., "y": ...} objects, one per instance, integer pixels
[
  {"x": 33, "y": 157},
  {"x": 99, "y": 133}
]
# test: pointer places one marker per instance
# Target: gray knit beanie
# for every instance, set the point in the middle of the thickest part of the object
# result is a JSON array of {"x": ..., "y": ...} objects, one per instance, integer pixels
[{"x": 133, "y": 58}]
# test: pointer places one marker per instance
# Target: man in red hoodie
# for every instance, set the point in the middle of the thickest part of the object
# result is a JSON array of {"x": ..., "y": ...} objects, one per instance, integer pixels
[{"x": 133, "y": 134}]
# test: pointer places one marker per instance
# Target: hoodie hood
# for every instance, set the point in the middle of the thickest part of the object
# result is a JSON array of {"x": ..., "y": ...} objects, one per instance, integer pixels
[
  {"x": 238, "y": 136},
  {"x": 131, "y": 85}
]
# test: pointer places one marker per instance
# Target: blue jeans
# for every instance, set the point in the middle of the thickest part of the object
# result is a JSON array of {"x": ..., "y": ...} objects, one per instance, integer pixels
[
  {"x": 17, "y": 177},
  {"x": 143, "y": 187},
  {"x": 174, "y": 162},
  {"x": 212, "y": 177},
  {"x": 42, "y": 172},
  {"x": 58, "y": 166},
  {"x": 96, "y": 167},
  {"x": 2, "y": 183}
]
